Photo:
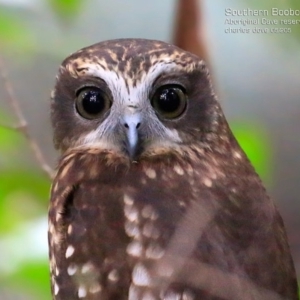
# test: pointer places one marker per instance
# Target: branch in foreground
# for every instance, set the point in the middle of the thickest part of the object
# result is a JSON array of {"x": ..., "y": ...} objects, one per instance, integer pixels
[{"x": 23, "y": 126}]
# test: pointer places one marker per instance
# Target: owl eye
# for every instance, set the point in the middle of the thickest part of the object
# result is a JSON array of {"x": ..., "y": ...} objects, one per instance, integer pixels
[
  {"x": 92, "y": 102},
  {"x": 169, "y": 101}
]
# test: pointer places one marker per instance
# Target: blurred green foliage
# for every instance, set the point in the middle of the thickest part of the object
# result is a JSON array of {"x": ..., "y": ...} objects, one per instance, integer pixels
[
  {"x": 281, "y": 5},
  {"x": 255, "y": 141},
  {"x": 23, "y": 203},
  {"x": 66, "y": 10},
  {"x": 15, "y": 33}
]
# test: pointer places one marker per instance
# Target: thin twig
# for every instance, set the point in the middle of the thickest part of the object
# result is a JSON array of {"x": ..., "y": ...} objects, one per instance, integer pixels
[
  {"x": 23, "y": 126},
  {"x": 9, "y": 127}
]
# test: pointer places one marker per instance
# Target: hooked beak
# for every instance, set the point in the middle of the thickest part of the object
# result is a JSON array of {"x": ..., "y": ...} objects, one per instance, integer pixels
[{"x": 132, "y": 122}]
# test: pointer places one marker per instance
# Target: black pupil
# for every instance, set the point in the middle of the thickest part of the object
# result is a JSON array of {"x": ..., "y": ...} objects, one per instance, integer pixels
[
  {"x": 168, "y": 100},
  {"x": 93, "y": 102}
]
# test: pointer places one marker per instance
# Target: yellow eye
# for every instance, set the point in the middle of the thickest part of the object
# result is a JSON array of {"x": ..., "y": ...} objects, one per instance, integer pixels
[
  {"x": 92, "y": 102},
  {"x": 169, "y": 101}
]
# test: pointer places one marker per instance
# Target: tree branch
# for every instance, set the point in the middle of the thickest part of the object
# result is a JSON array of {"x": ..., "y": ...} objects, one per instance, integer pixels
[
  {"x": 189, "y": 29},
  {"x": 23, "y": 126}
]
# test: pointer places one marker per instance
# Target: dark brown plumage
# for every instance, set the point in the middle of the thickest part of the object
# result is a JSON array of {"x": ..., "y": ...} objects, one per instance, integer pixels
[{"x": 154, "y": 199}]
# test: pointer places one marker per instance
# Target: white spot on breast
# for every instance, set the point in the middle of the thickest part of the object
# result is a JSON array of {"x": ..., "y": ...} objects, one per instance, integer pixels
[
  {"x": 55, "y": 187},
  {"x": 213, "y": 175},
  {"x": 82, "y": 292},
  {"x": 95, "y": 288},
  {"x": 66, "y": 169},
  {"x": 148, "y": 296},
  {"x": 237, "y": 155},
  {"x": 70, "y": 229},
  {"x": 51, "y": 227},
  {"x": 182, "y": 203},
  {"x": 72, "y": 269},
  {"x": 87, "y": 268},
  {"x": 128, "y": 200},
  {"x": 150, "y": 231},
  {"x": 154, "y": 251},
  {"x": 70, "y": 251},
  {"x": 135, "y": 248},
  {"x": 140, "y": 275},
  {"x": 56, "y": 238},
  {"x": 56, "y": 289},
  {"x": 189, "y": 169},
  {"x": 113, "y": 275},
  {"x": 133, "y": 293},
  {"x": 170, "y": 295},
  {"x": 132, "y": 229},
  {"x": 150, "y": 173},
  {"x": 178, "y": 170},
  {"x": 147, "y": 211},
  {"x": 56, "y": 271},
  {"x": 58, "y": 217},
  {"x": 187, "y": 295},
  {"x": 131, "y": 213},
  {"x": 207, "y": 182}
]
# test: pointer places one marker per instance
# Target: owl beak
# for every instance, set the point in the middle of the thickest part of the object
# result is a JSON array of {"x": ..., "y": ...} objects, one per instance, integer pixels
[{"x": 132, "y": 122}]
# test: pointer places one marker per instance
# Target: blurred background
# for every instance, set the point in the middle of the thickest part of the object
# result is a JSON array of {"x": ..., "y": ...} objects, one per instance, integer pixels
[{"x": 256, "y": 76}]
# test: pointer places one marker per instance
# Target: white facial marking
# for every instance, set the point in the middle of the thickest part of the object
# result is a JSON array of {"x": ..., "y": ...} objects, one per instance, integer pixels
[
  {"x": 82, "y": 292},
  {"x": 70, "y": 251},
  {"x": 128, "y": 93},
  {"x": 140, "y": 275}
]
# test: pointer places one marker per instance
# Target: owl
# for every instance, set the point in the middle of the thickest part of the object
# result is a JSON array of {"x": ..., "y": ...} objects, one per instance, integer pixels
[{"x": 153, "y": 196}]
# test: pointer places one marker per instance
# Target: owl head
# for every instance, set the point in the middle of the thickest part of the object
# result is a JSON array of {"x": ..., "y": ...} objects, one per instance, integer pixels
[{"x": 135, "y": 97}]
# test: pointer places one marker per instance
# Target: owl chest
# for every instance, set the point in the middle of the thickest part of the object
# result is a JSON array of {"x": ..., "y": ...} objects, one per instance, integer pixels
[{"x": 111, "y": 241}]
